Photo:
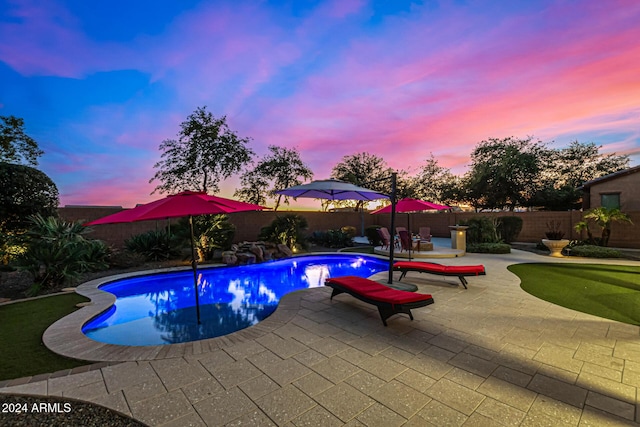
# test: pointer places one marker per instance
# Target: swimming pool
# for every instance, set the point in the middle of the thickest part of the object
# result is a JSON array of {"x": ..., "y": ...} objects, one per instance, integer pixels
[{"x": 160, "y": 309}]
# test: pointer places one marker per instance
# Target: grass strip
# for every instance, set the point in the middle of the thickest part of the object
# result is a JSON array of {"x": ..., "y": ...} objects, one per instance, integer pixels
[
  {"x": 22, "y": 325},
  {"x": 359, "y": 249},
  {"x": 608, "y": 291}
]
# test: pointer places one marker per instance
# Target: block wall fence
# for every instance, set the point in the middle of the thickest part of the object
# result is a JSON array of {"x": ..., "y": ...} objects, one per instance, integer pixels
[{"x": 248, "y": 224}]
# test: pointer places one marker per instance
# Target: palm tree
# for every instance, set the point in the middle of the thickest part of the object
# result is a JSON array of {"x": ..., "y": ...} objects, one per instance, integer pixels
[{"x": 604, "y": 217}]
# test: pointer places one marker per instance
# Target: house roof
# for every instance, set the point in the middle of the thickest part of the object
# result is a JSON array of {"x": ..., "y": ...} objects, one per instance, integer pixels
[{"x": 611, "y": 176}]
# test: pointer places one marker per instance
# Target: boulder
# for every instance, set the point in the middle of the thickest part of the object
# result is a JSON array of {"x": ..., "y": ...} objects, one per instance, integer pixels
[{"x": 284, "y": 249}]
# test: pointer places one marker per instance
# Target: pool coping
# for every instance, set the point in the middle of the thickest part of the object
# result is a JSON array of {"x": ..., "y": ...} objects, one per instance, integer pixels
[{"x": 65, "y": 336}]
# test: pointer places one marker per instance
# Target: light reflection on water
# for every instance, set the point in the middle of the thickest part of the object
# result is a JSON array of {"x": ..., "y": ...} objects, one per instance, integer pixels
[{"x": 160, "y": 309}]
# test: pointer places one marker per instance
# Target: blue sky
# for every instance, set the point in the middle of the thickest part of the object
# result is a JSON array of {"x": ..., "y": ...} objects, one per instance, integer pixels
[{"x": 101, "y": 85}]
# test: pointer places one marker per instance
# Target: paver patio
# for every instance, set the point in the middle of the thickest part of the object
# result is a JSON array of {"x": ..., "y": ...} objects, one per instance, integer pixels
[{"x": 489, "y": 355}]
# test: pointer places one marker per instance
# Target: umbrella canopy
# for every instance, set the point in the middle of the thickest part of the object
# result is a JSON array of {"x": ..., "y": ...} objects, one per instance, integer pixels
[
  {"x": 186, "y": 203},
  {"x": 412, "y": 205},
  {"x": 332, "y": 189}
]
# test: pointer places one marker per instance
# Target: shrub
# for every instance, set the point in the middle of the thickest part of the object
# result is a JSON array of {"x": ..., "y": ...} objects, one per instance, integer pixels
[
  {"x": 332, "y": 238},
  {"x": 591, "y": 251},
  {"x": 349, "y": 230},
  {"x": 57, "y": 252},
  {"x": 125, "y": 259},
  {"x": 509, "y": 227},
  {"x": 287, "y": 230},
  {"x": 372, "y": 235},
  {"x": 155, "y": 245},
  {"x": 482, "y": 229},
  {"x": 211, "y": 232},
  {"x": 489, "y": 248}
]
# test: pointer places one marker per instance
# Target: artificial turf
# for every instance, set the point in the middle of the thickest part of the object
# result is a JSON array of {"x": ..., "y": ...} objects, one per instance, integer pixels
[
  {"x": 608, "y": 291},
  {"x": 21, "y": 327}
]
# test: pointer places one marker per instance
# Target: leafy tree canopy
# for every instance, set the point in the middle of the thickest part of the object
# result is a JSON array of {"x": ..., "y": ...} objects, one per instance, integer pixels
[
  {"x": 366, "y": 170},
  {"x": 435, "y": 183},
  {"x": 567, "y": 169},
  {"x": 15, "y": 145},
  {"x": 504, "y": 172},
  {"x": 280, "y": 169},
  {"x": 205, "y": 153},
  {"x": 25, "y": 192}
]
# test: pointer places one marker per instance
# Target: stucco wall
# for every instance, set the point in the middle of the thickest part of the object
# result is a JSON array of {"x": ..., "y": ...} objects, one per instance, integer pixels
[
  {"x": 627, "y": 185},
  {"x": 248, "y": 224}
]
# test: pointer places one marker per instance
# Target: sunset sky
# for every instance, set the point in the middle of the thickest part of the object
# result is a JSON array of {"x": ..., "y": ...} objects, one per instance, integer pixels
[{"x": 101, "y": 84}]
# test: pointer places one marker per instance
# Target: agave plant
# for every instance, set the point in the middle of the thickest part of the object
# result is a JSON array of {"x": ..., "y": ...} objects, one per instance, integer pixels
[{"x": 155, "y": 245}]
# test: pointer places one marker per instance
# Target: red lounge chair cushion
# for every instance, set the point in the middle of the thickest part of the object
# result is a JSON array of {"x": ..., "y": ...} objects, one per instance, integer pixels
[
  {"x": 465, "y": 269},
  {"x": 439, "y": 268},
  {"x": 376, "y": 291}
]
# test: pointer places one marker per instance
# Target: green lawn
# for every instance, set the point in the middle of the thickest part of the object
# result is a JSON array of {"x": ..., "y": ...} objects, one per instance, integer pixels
[
  {"x": 608, "y": 291},
  {"x": 359, "y": 249},
  {"x": 21, "y": 327}
]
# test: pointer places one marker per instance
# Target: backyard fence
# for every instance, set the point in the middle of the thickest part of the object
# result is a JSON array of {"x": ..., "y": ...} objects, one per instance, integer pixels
[{"x": 248, "y": 224}]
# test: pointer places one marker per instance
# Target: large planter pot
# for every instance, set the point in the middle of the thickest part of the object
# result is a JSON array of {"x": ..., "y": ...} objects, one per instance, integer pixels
[{"x": 555, "y": 246}]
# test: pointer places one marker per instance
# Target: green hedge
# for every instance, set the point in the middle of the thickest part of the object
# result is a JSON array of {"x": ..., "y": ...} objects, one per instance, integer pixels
[
  {"x": 489, "y": 248},
  {"x": 591, "y": 251}
]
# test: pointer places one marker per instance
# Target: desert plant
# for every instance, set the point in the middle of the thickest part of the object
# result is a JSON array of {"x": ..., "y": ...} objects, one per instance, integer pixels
[
  {"x": 481, "y": 229},
  {"x": 211, "y": 232},
  {"x": 287, "y": 230},
  {"x": 155, "y": 245},
  {"x": 604, "y": 218},
  {"x": 554, "y": 230},
  {"x": 509, "y": 227},
  {"x": 57, "y": 253}
]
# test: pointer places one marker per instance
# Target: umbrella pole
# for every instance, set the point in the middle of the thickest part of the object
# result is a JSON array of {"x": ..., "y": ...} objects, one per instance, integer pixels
[
  {"x": 194, "y": 266},
  {"x": 392, "y": 245},
  {"x": 410, "y": 234}
]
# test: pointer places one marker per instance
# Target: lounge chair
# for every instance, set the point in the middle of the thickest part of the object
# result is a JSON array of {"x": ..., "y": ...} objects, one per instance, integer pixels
[
  {"x": 385, "y": 237},
  {"x": 461, "y": 271},
  {"x": 425, "y": 234},
  {"x": 389, "y": 301},
  {"x": 406, "y": 242}
]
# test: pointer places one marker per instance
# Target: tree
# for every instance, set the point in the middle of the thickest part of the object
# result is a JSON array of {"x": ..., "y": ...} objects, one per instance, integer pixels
[
  {"x": 434, "y": 182},
  {"x": 505, "y": 172},
  {"x": 25, "y": 191},
  {"x": 603, "y": 217},
  {"x": 364, "y": 169},
  {"x": 15, "y": 145},
  {"x": 281, "y": 169},
  {"x": 567, "y": 169},
  {"x": 205, "y": 153}
]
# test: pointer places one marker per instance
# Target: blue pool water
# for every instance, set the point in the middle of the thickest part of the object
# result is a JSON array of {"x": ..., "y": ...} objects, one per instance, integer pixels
[{"x": 160, "y": 308}]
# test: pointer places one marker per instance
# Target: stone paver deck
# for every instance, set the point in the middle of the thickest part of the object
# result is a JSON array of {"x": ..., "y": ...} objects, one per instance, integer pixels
[{"x": 490, "y": 355}]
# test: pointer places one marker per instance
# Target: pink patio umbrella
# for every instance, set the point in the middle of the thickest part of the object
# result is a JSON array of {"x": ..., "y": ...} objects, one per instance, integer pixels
[
  {"x": 186, "y": 203},
  {"x": 409, "y": 205}
]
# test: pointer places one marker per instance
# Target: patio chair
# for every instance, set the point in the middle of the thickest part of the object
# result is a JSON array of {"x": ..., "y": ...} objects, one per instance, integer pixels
[
  {"x": 385, "y": 237},
  {"x": 399, "y": 229},
  {"x": 406, "y": 242},
  {"x": 425, "y": 234}
]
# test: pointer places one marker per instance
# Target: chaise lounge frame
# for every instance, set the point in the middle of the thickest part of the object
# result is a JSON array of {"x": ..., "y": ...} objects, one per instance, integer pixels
[
  {"x": 389, "y": 301},
  {"x": 461, "y": 271}
]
